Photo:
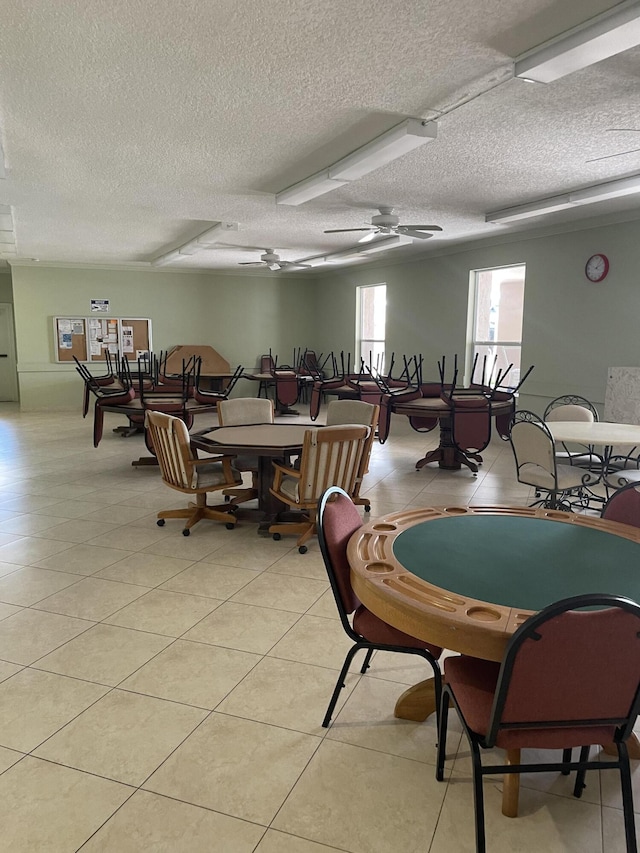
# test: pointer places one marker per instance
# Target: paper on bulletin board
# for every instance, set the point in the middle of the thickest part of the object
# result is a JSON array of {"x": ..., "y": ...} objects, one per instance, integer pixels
[
  {"x": 95, "y": 348},
  {"x": 127, "y": 339},
  {"x": 64, "y": 326},
  {"x": 77, "y": 328},
  {"x": 65, "y": 340}
]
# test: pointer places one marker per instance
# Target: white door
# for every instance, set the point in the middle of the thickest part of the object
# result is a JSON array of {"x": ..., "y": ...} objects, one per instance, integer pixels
[{"x": 8, "y": 368}]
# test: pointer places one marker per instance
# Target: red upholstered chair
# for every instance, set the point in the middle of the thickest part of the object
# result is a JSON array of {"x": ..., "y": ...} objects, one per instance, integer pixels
[
  {"x": 338, "y": 520},
  {"x": 624, "y": 505},
  {"x": 570, "y": 677}
]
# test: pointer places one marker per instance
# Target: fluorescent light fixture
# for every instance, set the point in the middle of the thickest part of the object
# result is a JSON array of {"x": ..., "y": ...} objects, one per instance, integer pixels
[
  {"x": 603, "y": 36},
  {"x": 206, "y": 240},
  {"x": 6, "y": 217},
  {"x": 312, "y": 187},
  {"x": 401, "y": 139},
  {"x": 383, "y": 244},
  {"x": 526, "y": 211},
  {"x": 610, "y": 189},
  {"x": 385, "y": 148}
]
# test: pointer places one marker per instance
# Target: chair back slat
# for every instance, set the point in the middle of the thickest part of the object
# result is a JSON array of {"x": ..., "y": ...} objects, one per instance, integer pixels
[
  {"x": 170, "y": 439},
  {"x": 330, "y": 457}
]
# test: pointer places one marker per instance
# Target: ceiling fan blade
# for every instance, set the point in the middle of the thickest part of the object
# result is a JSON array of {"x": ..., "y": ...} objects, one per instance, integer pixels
[
  {"x": 421, "y": 227},
  {"x": 368, "y": 237},
  {"x": 420, "y": 235},
  {"x": 250, "y": 263},
  {"x": 294, "y": 265},
  {"x": 344, "y": 230}
]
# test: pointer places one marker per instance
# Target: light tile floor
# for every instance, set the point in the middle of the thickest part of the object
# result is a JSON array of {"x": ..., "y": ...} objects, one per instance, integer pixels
[{"x": 159, "y": 693}]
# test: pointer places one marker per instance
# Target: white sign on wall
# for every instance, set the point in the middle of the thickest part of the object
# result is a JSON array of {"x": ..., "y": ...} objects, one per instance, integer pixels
[{"x": 100, "y": 306}]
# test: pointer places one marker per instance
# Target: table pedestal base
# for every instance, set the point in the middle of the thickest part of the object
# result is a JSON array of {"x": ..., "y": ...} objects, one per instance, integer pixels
[{"x": 447, "y": 454}]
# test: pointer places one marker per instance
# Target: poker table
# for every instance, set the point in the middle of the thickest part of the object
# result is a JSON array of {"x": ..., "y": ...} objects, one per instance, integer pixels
[{"x": 465, "y": 578}]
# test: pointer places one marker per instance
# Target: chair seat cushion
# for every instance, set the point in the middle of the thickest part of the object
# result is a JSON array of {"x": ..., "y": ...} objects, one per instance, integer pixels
[
  {"x": 211, "y": 475},
  {"x": 289, "y": 487},
  {"x": 375, "y": 630},
  {"x": 535, "y": 475},
  {"x": 245, "y": 463},
  {"x": 473, "y": 682}
]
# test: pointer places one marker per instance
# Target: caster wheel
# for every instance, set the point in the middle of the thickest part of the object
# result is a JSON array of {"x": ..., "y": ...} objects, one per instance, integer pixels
[
  {"x": 367, "y": 508},
  {"x": 277, "y": 537},
  {"x": 160, "y": 522},
  {"x": 186, "y": 532},
  {"x": 302, "y": 549},
  {"x": 229, "y": 525}
]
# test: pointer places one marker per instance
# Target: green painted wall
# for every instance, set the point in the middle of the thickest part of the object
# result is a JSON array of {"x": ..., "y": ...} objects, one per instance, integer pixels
[
  {"x": 573, "y": 329},
  {"x": 6, "y": 290},
  {"x": 240, "y": 316}
]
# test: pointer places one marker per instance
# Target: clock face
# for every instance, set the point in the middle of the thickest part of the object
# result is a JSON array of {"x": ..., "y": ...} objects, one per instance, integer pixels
[{"x": 597, "y": 267}]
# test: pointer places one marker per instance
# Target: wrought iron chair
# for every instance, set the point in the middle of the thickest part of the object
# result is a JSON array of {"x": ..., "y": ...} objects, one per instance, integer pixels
[
  {"x": 356, "y": 412},
  {"x": 330, "y": 457},
  {"x": 338, "y": 520},
  {"x": 183, "y": 471},
  {"x": 572, "y": 407},
  {"x": 534, "y": 452},
  {"x": 570, "y": 677},
  {"x": 236, "y": 412}
]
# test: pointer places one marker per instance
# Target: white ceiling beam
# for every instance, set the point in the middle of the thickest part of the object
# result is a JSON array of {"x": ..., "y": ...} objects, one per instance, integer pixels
[{"x": 603, "y": 36}]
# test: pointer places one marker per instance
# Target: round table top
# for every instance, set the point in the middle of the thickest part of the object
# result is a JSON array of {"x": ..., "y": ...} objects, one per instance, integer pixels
[
  {"x": 465, "y": 578},
  {"x": 437, "y": 407},
  {"x": 595, "y": 432}
]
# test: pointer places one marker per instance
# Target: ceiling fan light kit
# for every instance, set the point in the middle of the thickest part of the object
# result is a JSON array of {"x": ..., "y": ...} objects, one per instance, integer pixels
[
  {"x": 603, "y": 36},
  {"x": 383, "y": 149}
]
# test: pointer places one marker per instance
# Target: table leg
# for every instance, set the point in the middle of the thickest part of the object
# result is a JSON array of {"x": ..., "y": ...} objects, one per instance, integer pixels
[
  {"x": 511, "y": 786},
  {"x": 417, "y": 702},
  {"x": 633, "y": 745}
]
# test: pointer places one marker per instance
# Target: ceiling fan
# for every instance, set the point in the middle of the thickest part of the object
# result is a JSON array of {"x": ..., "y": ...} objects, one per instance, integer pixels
[
  {"x": 272, "y": 260},
  {"x": 386, "y": 222}
]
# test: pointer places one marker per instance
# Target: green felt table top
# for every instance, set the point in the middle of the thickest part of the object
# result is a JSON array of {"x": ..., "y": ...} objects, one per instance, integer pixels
[{"x": 525, "y": 563}]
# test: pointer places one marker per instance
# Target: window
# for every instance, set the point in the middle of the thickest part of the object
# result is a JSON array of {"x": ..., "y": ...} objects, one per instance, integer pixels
[
  {"x": 496, "y": 311},
  {"x": 370, "y": 331}
]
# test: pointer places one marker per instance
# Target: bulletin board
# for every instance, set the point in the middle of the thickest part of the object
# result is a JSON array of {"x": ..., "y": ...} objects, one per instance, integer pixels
[
  {"x": 89, "y": 338},
  {"x": 70, "y": 334}
]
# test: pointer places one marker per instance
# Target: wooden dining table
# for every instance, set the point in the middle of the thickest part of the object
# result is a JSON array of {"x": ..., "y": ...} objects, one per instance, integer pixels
[
  {"x": 267, "y": 442},
  {"x": 465, "y": 578}
]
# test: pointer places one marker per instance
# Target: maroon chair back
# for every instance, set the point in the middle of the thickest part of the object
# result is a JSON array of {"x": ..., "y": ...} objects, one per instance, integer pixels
[
  {"x": 338, "y": 519},
  {"x": 624, "y": 505},
  {"x": 471, "y": 423},
  {"x": 570, "y": 669},
  {"x": 287, "y": 387}
]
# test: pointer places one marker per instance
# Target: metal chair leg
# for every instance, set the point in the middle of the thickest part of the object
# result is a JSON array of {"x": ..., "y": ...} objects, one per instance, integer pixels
[
  {"x": 367, "y": 660},
  {"x": 340, "y": 683},
  {"x": 566, "y": 758},
  {"x": 627, "y": 798},
  {"x": 581, "y": 774},
  {"x": 442, "y": 736}
]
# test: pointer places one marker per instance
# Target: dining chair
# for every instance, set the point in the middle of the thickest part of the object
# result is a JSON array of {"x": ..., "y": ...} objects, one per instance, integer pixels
[
  {"x": 356, "y": 412},
  {"x": 241, "y": 411},
  {"x": 624, "y": 505},
  {"x": 556, "y": 688},
  {"x": 330, "y": 457},
  {"x": 534, "y": 452},
  {"x": 183, "y": 471},
  {"x": 338, "y": 520},
  {"x": 573, "y": 407}
]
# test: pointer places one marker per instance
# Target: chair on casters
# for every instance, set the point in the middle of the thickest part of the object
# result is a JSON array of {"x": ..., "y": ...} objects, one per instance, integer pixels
[
  {"x": 570, "y": 677},
  {"x": 534, "y": 451},
  {"x": 338, "y": 520},
  {"x": 243, "y": 411},
  {"x": 356, "y": 412},
  {"x": 183, "y": 471},
  {"x": 330, "y": 457},
  {"x": 572, "y": 407}
]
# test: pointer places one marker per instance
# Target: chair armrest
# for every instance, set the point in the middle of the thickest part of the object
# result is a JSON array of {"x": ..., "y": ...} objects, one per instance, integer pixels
[
  {"x": 280, "y": 472},
  {"x": 226, "y": 464}
]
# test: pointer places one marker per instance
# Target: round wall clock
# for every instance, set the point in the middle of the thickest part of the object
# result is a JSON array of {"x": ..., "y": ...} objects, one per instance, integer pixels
[{"x": 597, "y": 267}]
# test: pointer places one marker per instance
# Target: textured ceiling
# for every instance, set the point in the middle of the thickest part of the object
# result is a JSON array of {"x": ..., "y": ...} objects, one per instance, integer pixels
[{"x": 131, "y": 126}]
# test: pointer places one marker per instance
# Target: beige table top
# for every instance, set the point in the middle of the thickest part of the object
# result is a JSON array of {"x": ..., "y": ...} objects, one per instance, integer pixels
[
  {"x": 255, "y": 436},
  {"x": 601, "y": 433}
]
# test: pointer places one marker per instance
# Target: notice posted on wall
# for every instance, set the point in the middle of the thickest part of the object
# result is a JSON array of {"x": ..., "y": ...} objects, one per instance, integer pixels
[
  {"x": 127, "y": 339},
  {"x": 99, "y": 306}
]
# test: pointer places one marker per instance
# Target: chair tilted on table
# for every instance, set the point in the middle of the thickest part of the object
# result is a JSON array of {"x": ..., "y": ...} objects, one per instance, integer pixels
[
  {"x": 181, "y": 470},
  {"x": 569, "y": 677},
  {"x": 356, "y": 412},
  {"x": 237, "y": 412},
  {"x": 338, "y": 520},
  {"x": 330, "y": 457},
  {"x": 572, "y": 407},
  {"x": 534, "y": 451}
]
